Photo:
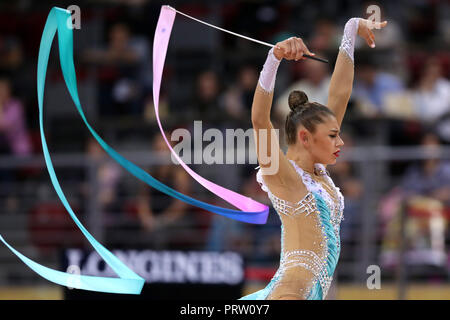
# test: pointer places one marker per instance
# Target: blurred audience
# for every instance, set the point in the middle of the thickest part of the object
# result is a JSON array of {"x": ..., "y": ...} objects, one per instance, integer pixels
[
  {"x": 371, "y": 87},
  {"x": 14, "y": 140},
  {"x": 432, "y": 92},
  {"x": 11, "y": 54},
  {"x": 432, "y": 177},
  {"x": 238, "y": 99},
  {"x": 206, "y": 102},
  {"x": 14, "y": 136},
  {"x": 157, "y": 211},
  {"x": 107, "y": 179},
  {"x": 326, "y": 36},
  {"x": 119, "y": 69},
  {"x": 424, "y": 192}
]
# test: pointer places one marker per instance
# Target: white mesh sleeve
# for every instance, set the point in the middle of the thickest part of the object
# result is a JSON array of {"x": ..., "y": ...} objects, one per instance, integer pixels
[
  {"x": 269, "y": 72},
  {"x": 349, "y": 37}
]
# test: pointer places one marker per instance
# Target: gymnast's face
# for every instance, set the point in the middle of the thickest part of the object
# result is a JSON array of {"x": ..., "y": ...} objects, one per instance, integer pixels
[{"x": 325, "y": 143}]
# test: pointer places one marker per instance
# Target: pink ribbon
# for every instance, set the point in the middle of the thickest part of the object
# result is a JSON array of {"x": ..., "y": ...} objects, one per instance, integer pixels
[{"x": 160, "y": 44}]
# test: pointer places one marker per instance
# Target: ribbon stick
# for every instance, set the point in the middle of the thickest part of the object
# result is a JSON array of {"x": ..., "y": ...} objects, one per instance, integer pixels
[
  {"x": 240, "y": 35},
  {"x": 129, "y": 282}
]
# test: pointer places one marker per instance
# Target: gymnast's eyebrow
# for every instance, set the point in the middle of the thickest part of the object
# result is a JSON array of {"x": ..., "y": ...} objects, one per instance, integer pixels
[{"x": 335, "y": 130}]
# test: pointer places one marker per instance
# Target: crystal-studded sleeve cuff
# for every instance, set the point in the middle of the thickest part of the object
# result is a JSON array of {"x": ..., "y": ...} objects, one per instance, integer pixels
[{"x": 349, "y": 37}]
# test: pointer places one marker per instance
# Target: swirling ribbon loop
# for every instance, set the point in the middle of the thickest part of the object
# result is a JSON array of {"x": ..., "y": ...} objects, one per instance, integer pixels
[
  {"x": 128, "y": 281},
  {"x": 253, "y": 212}
]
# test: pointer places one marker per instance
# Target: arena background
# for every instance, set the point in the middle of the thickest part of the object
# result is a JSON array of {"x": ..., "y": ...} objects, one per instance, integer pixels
[{"x": 394, "y": 170}]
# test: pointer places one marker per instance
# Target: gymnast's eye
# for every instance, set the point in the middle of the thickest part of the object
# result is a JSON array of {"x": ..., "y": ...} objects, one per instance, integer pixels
[{"x": 333, "y": 136}]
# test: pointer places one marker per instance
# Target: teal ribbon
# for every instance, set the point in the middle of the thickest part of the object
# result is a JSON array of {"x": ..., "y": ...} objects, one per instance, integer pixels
[{"x": 129, "y": 282}]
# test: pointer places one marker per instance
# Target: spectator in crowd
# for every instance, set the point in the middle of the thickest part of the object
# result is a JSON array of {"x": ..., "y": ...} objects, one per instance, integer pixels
[
  {"x": 11, "y": 55},
  {"x": 14, "y": 135},
  {"x": 107, "y": 178},
  {"x": 424, "y": 191},
  {"x": 15, "y": 66},
  {"x": 432, "y": 92},
  {"x": 326, "y": 36},
  {"x": 120, "y": 64},
  {"x": 372, "y": 86},
  {"x": 207, "y": 98},
  {"x": 14, "y": 140},
  {"x": 160, "y": 214},
  {"x": 432, "y": 177},
  {"x": 239, "y": 98}
]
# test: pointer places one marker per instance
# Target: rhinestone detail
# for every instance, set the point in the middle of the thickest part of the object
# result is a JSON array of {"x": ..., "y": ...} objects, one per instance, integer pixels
[{"x": 307, "y": 259}]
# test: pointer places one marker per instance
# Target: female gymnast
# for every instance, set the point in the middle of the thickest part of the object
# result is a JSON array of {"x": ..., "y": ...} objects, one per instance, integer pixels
[{"x": 308, "y": 203}]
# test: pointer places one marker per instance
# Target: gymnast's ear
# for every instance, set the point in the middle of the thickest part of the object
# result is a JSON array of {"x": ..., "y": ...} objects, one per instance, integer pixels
[{"x": 303, "y": 136}]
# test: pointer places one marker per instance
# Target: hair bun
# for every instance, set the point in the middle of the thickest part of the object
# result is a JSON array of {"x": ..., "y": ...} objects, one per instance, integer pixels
[{"x": 297, "y": 99}]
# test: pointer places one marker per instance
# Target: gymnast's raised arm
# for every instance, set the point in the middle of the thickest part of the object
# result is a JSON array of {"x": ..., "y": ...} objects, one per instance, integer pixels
[
  {"x": 268, "y": 149},
  {"x": 342, "y": 79}
]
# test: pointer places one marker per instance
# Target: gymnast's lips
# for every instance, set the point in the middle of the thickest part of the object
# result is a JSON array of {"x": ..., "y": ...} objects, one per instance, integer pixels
[{"x": 336, "y": 154}]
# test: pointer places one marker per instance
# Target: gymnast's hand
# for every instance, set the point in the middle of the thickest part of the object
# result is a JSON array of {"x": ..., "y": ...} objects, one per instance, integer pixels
[
  {"x": 291, "y": 49},
  {"x": 365, "y": 30}
]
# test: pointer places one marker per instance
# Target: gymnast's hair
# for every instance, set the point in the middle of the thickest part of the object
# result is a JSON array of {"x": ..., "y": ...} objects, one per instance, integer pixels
[{"x": 303, "y": 112}]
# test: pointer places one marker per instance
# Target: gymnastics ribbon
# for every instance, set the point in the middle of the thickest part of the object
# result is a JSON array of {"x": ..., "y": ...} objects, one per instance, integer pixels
[
  {"x": 128, "y": 281},
  {"x": 253, "y": 211}
]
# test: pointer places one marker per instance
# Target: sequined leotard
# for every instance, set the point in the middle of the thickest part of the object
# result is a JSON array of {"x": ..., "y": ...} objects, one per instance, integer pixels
[{"x": 310, "y": 241}]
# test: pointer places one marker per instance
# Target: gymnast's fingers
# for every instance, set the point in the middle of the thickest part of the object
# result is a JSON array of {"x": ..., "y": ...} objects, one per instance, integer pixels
[
  {"x": 293, "y": 48},
  {"x": 305, "y": 49},
  {"x": 370, "y": 39},
  {"x": 279, "y": 50},
  {"x": 376, "y": 25},
  {"x": 282, "y": 50},
  {"x": 287, "y": 49},
  {"x": 299, "y": 49}
]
